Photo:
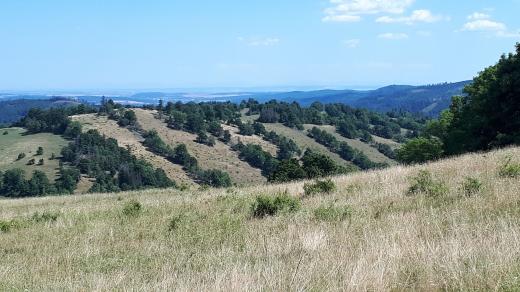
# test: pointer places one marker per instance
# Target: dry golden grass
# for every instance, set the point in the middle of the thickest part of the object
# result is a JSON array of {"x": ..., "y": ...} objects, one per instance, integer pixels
[
  {"x": 132, "y": 141},
  {"x": 369, "y": 151},
  {"x": 219, "y": 156},
  {"x": 207, "y": 240}
]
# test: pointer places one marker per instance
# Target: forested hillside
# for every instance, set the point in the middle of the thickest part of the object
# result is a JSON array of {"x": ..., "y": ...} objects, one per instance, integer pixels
[{"x": 115, "y": 148}]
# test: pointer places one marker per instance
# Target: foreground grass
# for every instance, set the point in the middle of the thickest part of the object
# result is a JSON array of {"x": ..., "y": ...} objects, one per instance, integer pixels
[{"x": 370, "y": 233}]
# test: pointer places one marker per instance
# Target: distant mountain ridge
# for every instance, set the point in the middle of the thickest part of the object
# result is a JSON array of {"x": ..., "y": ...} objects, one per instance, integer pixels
[{"x": 429, "y": 100}]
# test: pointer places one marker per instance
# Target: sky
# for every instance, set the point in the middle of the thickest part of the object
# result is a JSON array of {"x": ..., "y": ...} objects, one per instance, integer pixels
[{"x": 127, "y": 44}]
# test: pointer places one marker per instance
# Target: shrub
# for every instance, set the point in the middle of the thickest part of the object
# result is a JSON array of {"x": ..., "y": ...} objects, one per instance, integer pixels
[
  {"x": 175, "y": 222},
  {"x": 270, "y": 206},
  {"x": 132, "y": 208},
  {"x": 424, "y": 183},
  {"x": 31, "y": 161},
  {"x": 510, "y": 169},
  {"x": 39, "y": 151},
  {"x": 41, "y": 162},
  {"x": 5, "y": 133},
  {"x": 45, "y": 216},
  {"x": 331, "y": 213},
  {"x": 319, "y": 187},
  {"x": 8, "y": 225},
  {"x": 471, "y": 186},
  {"x": 21, "y": 156}
]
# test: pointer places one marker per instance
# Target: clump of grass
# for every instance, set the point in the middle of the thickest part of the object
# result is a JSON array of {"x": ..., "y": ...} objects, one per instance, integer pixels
[
  {"x": 45, "y": 216},
  {"x": 175, "y": 222},
  {"x": 270, "y": 206},
  {"x": 9, "y": 225},
  {"x": 319, "y": 187},
  {"x": 132, "y": 208},
  {"x": 330, "y": 213},
  {"x": 471, "y": 186},
  {"x": 509, "y": 169},
  {"x": 423, "y": 183}
]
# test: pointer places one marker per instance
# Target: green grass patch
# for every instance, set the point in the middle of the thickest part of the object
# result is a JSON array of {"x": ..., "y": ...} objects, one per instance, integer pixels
[
  {"x": 319, "y": 187},
  {"x": 331, "y": 213},
  {"x": 423, "y": 183},
  {"x": 132, "y": 208},
  {"x": 273, "y": 205},
  {"x": 509, "y": 169}
]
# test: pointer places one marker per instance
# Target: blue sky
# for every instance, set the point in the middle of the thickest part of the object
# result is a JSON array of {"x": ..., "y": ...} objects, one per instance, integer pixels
[{"x": 125, "y": 44}]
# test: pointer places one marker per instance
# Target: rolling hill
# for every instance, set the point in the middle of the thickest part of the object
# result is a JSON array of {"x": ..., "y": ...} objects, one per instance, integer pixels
[{"x": 370, "y": 233}]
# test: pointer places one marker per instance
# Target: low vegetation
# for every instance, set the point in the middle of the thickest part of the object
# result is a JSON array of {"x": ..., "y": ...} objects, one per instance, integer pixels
[{"x": 367, "y": 235}]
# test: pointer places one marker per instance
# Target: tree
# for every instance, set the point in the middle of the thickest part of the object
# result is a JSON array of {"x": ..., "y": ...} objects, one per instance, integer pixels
[
  {"x": 288, "y": 170},
  {"x": 73, "y": 130},
  {"x": 39, "y": 184},
  {"x": 246, "y": 129},
  {"x": 41, "y": 162},
  {"x": 20, "y": 156},
  {"x": 39, "y": 152},
  {"x": 488, "y": 115},
  {"x": 420, "y": 150},
  {"x": 31, "y": 161},
  {"x": 14, "y": 183},
  {"x": 226, "y": 138},
  {"x": 215, "y": 178},
  {"x": 318, "y": 165}
]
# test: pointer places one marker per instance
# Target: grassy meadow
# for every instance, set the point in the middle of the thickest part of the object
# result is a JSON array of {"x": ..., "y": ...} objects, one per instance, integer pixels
[
  {"x": 449, "y": 225},
  {"x": 16, "y": 141}
]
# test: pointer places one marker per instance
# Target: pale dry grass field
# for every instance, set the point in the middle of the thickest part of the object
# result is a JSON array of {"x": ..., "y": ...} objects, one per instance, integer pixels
[
  {"x": 219, "y": 156},
  {"x": 207, "y": 240},
  {"x": 132, "y": 141}
]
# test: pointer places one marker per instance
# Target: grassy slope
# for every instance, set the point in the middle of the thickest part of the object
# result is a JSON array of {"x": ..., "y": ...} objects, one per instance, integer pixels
[
  {"x": 15, "y": 143},
  {"x": 391, "y": 241},
  {"x": 218, "y": 157},
  {"x": 126, "y": 138},
  {"x": 369, "y": 151},
  {"x": 304, "y": 142}
]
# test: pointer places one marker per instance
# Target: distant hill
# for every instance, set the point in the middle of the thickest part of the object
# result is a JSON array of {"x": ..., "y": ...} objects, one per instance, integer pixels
[
  {"x": 427, "y": 99},
  {"x": 13, "y": 110}
]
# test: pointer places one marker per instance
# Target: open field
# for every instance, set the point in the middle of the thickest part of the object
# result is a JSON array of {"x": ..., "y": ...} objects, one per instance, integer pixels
[
  {"x": 126, "y": 138},
  {"x": 370, "y": 152},
  {"x": 305, "y": 142},
  {"x": 219, "y": 156},
  {"x": 207, "y": 240},
  {"x": 254, "y": 139},
  {"x": 15, "y": 142}
]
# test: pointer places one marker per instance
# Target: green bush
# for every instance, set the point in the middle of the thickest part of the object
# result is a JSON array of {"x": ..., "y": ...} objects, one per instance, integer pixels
[
  {"x": 5, "y": 133},
  {"x": 132, "y": 208},
  {"x": 21, "y": 156},
  {"x": 424, "y": 183},
  {"x": 319, "y": 187},
  {"x": 175, "y": 222},
  {"x": 510, "y": 169},
  {"x": 331, "y": 213},
  {"x": 271, "y": 206},
  {"x": 6, "y": 226},
  {"x": 45, "y": 216},
  {"x": 471, "y": 186}
]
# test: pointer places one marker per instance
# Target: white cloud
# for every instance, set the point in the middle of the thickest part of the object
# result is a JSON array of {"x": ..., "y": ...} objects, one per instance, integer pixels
[
  {"x": 259, "y": 42},
  {"x": 484, "y": 25},
  {"x": 351, "y": 10},
  {"x": 481, "y": 22},
  {"x": 478, "y": 15},
  {"x": 353, "y": 43},
  {"x": 393, "y": 36},
  {"x": 416, "y": 16}
]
